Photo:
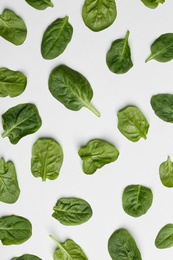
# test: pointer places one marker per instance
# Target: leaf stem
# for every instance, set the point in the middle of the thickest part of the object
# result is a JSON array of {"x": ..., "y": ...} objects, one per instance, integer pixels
[
  {"x": 149, "y": 58},
  {"x": 92, "y": 109}
]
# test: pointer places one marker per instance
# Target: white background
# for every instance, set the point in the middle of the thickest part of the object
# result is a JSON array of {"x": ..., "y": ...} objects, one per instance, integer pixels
[{"x": 138, "y": 163}]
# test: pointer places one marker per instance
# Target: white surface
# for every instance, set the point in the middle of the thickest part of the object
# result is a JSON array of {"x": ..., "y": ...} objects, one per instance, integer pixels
[{"x": 138, "y": 163}]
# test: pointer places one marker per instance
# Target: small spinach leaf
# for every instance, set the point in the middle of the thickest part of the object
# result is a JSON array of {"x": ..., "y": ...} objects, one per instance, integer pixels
[
  {"x": 19, "y": 121},
  {"x": 26, "y": 257},
  {"x": 118, "y": 57},
  {"x": 56, "y": 38},
  {"x": 47, "y": 158},
  {"x": 164, "y": 238},
  {"x": 96, "y": 154},
  {"x": 40, "y": 4},
  {"x": 136, "y": 200},
  {"x": 152, "y": 3},
  {"x": 71, "y": 88},
  {"x": 132, "y": 123},
  {"x": 166, "y": 173},
  {"x": 72, "y": 211}
]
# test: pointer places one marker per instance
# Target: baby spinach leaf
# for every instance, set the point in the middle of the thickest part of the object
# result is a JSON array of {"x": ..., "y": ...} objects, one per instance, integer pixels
[
  {"x": 162, "y": 48},
  {"x": 19, "y": 121},
  {"x": 71, "y": 88},
  {"x": 47, "y": 158},
  {"x": 40, "y": 4},
  {"x": 132, "y": 123},
  {"x": 15, "y": 230},
  {"x": 166, "y": 173},
  {"x": 56, "y": 38},
  {"x": 152, "y": 3},
  {"x": 118, "y": 57},
  {"x": 122, "y": 246},
  {"x": 164, "y": 238},
  {"x": 12, "y": 27},
  {"x": 26, "y": 257},
  {"x": 9, "y": 188},
  {"x": 99, "y": 14},
  {"x": 72, "y": 211},
  {"x": 96, "y": 154},
  {"x": 136, "y": 200},
  {"x": 68, "y": 250},
  {"x": 12, "y": 83},
  {"x": 162, "y": 104}
]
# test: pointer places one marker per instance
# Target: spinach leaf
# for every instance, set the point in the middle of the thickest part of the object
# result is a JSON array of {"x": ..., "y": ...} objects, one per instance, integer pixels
[
  {"x": 152, "y": 3},
  {"x": 12, "y": 83},
  {"x": 99, "y": 14},
  {"x": 118, "y": 57},
  {"x": 162, "y": 48},
  {"x": 14, "y": 230},
  {"x": 162, "y": 104},
  {"x": 132, "y": 123},
  {"x": 26, "y": 257},
  {"x": 19, "y": 121},
  {"x": 12, "y": 27},
  {"x": 68, "y": 250},
  {"x": 71, "y": 88},
  {"x": 40, "y": 4},
  {"x": 122, "y": 246},
  {"x": 164, "y": 238},
  {"x": 166, "y": 173},
  {"x": 47, "y": 158},
  {"x": 9, "y": 188},
  {"x": 136, "y": 200},
  {"x": 96, "y": 154},
  {"x": 72, "y": 211},
  {"x": 56, "y": 38}
]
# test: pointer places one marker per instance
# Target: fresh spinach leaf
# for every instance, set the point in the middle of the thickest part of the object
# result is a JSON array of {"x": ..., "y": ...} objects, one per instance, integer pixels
[
  {"x": 26, "y": 257},
  {"x": 122, "y": 246},
  {"x": 166, "y": 173},
  {"x": 9, "y": 188},
  {"x": 136, "y": 200},
  {"x": 15, "y": 230},
  {"x": 164, "y": 238},
  {"x": 40, "y": 4},
  {"x": 71, "y": 88},
  {"x": 162, "y": 48},
  {"x": 68, "y": 250},
  {"x": 132, "y": 123},
  {"x": 56, "y": 38},
  {"x": 99, "y": 14},
  {"x": 152, "y": 3},
  {"x": 47, "y": 159},
  {"x": 19, "y": 121},
  {"x": 96, "y": 154},
  {"x": 118, "y": 57},
  {"x": 12, "y": 83},
  {"x": 12, "y": 27},
  {"x": 72, "y": 211}
]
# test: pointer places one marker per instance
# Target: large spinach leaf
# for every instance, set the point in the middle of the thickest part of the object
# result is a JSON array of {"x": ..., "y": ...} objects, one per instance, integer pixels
[
  {"x": 26, "y": 257},
  {"x": 47, "y": 158},
  {"x": 166, "y": 173},
  {"x": 152, "y": 3},
  {"x": 96, "y": 154},
  {"x": 72, "y": 211},
  {"x": 118, "y": 57},
  {"x": 12, "y": 27},
  {"x": 122, "y": 246},
  {"x": 14, "y": 230},
  {"x": 71, "y": 88},
  {"x": 136, "y": 200},
  {"x": 40, "y": 4},
  {"x": 132, "y": 123},
  {"x": 56, "y": 38},
  {"x": 164, "y": 238},
  {"x": 19, "y": 121},
  {"x": 9, "y": 188},
  {"x": 99, "y": 14}
]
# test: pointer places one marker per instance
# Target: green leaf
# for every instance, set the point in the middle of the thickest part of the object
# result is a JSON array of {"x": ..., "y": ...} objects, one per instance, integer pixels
[
  {"x": 152, "y": 3},
  {"x": 96, "y": 154},
  {"x": 122, "y": 246},
  {"x": 47, "y": 159},
  {"x": 19, "y": 121},
  {"x": 26, "y": 257},
  {"x": 132, "y": 123},
  {"x": 71, "y": 88},
  {"x": 14, "y": 230},
  {"x": 99, "y": 14},
  {"x": 12, "y": 83},
  {"x": 164, "y": 238},
  {"x": 72, "y": 211},
  {"x": 9, "y": 188},
  {"x": 56, "y": 38},
  {"x": 166, "y": 173},
  {"x": 40, "y": 4},
  {"x": 136, "y": 200},
  {"x": 118, "y": 57},
  {"x": 12, "y": 27},
  {"x": 162, "y": 48}
]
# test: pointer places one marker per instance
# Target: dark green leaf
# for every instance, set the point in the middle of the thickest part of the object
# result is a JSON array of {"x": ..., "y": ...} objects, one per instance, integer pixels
[
  {"x": 40, "y": 4},
  {"x": 164, "y": 238},
  {"x": 26, "y": 257},
  {"x": 152, "y": 3},
  {"x": 166, "y": 173}
]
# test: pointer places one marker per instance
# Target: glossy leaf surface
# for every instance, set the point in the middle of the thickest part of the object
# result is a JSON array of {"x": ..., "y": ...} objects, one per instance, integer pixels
[
  {"x": 26, "y": 257},
  {"x": 164, "y": 238},
  {"x": 152, "y": 3},
  {"x": 166, "y": 173},
  {"x": 162, "y": 104},
  {"x": 40, "y": 4}
]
